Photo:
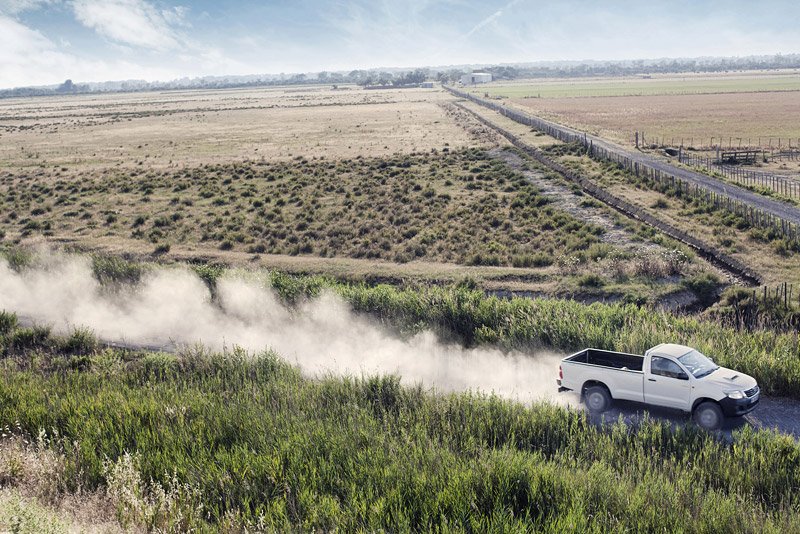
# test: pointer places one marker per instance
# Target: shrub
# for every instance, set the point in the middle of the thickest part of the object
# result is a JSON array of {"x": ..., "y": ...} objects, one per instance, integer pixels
[
  {"x": 81, "y": 341},
  {"x": 25, "y": 339},
  {"x": 112, "y": 270},
  {"x": 591, "y": 280},
  {"x": 539, "y": 259},
  {"x": 161, "y": 249},
  {"x": 704, "y": 286},
  {"x": 8, "y": 322}
]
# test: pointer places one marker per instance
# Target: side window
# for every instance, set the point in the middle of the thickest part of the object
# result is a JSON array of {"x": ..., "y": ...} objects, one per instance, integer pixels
[{"x": 664, "y": 367}]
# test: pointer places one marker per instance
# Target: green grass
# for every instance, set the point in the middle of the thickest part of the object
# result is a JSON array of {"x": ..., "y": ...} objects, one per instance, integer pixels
[
  {"x": 222, "y": 441},
  {"x": 639, "y": 86},
  {"x": 468, "y": 316},
  {"x": 256, "y": 443}
]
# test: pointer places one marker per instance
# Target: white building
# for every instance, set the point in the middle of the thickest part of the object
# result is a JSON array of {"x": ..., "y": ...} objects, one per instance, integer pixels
[{"x": 476, "y": 77}]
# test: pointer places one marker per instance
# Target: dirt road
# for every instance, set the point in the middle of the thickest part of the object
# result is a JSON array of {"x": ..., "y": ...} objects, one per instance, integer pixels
[
  {"x": 769, "y": 206},
  {"x": 774, "y": 413}
]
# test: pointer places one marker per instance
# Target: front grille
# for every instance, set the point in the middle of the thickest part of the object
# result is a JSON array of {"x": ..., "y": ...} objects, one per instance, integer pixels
[{"x": 751, "y": 392}]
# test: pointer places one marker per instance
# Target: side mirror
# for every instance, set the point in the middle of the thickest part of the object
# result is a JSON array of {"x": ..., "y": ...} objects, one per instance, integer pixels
[{"x": 682, "y": 376}]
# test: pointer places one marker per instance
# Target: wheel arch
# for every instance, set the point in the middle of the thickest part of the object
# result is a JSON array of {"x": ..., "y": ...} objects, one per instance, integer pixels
[
  {"x": 591, "y": 383},
  {"x": 700, "y": 400}
]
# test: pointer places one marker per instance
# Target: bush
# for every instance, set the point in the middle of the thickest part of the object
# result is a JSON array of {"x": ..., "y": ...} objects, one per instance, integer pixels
[
  {"x": 591, "y": 280},
  {"x": 539, "y": 259},
  {"x": 161, "y": 249},
  {"x": 81, "y": 341},
  {"x": 112, "y": 270},
  {"x": 8, "y": 322},
  {"x": 704, "y": 286},
  {"x": 484, "y": 259},
  {"x": 25, "y": 339}
]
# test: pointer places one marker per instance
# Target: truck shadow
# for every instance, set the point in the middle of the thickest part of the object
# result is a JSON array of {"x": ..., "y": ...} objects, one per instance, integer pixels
[{"x": 782, "y": 415}]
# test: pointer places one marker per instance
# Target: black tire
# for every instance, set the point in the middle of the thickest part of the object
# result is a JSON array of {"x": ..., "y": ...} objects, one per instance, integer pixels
[
  {"x": 708, "y": 415},
  {"x": 597, "y": 399}
]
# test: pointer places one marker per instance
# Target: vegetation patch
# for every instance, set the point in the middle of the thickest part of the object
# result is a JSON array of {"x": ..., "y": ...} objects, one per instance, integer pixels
[
  {"x": 233, "y": 441},
  {"x": 461, "y": 207}
]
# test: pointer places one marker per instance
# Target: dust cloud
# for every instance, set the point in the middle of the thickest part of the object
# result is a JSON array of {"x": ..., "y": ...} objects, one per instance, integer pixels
[{"x": 173, "y": 307}]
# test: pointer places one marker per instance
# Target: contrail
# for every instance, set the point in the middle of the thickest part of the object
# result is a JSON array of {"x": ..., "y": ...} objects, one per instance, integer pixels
[{"x": 493, "y": 17}]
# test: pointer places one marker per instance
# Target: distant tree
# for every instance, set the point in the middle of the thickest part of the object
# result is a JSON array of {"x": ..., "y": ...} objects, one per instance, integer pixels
[
  {"x": 414, "y": 77},
  {"x": 66, "y": 87},
  {"x": 385, "y": 78},
  {"x": 449, "y": 76}
]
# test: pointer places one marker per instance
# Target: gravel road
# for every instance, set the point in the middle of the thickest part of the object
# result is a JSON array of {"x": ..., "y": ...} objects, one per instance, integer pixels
[{"x": 780, "y": 209}]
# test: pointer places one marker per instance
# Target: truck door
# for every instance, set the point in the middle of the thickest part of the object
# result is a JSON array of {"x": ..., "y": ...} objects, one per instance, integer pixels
[{"x": 667, "y": 384}]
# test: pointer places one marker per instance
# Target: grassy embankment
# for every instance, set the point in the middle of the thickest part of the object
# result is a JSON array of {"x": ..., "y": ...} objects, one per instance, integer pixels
[
  {"x": 222, "y": 440},
  {"x": 765, "y": 251}
]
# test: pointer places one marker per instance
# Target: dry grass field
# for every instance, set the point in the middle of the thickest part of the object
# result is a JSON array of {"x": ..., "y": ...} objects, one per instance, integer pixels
[
  {"x": 394, "y": 185},
  {"x": 648, "y": 84},
  {"x": 176, "y": 129},
  {"x": 750, "y": 246},
  {"x": 739, "y": 108},
  {"x": 770, "y": 258},
  {"x": 695, "y": 119}
]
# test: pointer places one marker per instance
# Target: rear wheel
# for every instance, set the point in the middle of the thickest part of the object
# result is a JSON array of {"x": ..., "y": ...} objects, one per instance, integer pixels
[
  {"x": 597, "y": 399},
  {"x": 708, "y": 415}
]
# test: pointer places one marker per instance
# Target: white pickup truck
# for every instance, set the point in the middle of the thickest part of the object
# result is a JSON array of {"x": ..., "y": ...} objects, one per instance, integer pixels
[{"x": 675, "y": 376}]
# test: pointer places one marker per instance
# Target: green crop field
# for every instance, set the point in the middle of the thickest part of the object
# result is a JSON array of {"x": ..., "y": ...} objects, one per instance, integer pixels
[{"x": 688, "y": 84}]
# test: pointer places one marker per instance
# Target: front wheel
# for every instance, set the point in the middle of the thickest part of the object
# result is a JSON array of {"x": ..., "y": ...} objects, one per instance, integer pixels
[
  {"x": 597, "y": 399},
  {"x": 708, "y": 416}
]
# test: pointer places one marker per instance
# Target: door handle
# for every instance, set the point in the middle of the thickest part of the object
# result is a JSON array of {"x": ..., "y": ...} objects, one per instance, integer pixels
[{"x": 651, "y": 379}]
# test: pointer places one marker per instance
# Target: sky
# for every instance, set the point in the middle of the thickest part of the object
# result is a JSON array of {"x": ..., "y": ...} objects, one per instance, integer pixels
[{"x": 48, "y": 41}]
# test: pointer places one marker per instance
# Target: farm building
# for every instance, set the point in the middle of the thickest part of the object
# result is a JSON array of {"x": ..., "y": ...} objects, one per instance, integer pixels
[
  {"x": 426, "y": 85},
  {"x": 476, "y": 77}
]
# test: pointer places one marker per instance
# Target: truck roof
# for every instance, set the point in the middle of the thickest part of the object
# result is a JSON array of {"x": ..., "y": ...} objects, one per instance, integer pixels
[{"x": 671, "y": 349}]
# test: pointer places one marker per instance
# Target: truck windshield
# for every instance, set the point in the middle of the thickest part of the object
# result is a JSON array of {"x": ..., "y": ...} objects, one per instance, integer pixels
[{"x": 698, "y": 364}]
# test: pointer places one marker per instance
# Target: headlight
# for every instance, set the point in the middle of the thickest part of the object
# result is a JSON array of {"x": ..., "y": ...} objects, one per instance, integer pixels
[{"x": 738, "y": 394}]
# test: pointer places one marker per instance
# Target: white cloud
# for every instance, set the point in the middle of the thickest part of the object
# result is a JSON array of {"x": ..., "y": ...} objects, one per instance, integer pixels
[
  {"x": 13, "y": 7},
  {"x": 131, "y": 22},
  {"x": 29, "y": 58},
  {"x": 26, "y": 56}
]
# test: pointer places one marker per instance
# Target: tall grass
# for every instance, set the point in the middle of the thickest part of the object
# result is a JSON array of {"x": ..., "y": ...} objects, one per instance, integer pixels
[
  {"x": 772, "y": 358},
  {"x": 250, "y": 442}
]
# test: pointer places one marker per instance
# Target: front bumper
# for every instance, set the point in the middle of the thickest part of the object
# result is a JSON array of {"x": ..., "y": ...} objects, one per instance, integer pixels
[{"x": 738, "y": 407}]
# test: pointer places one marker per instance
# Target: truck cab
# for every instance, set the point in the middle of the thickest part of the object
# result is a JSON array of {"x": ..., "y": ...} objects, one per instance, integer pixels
[{"x": 669, "y": 375}]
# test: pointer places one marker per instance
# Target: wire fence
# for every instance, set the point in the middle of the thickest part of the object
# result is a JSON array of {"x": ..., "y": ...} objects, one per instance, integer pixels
[
  {"x": 753, "y": 215},
  {"x": 779, "y": 184},
  {"x": 711, "y": 254}
]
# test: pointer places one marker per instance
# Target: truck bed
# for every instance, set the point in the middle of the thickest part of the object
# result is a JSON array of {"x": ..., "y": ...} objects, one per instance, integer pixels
[{"x": 607, "y": 358}]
